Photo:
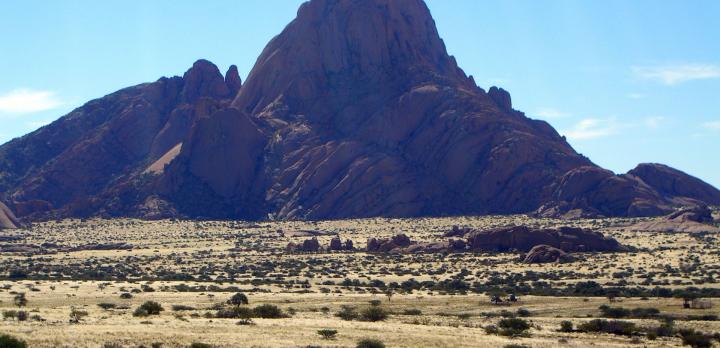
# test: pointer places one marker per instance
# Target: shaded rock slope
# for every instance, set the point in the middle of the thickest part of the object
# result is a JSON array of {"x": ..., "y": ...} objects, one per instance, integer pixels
[
  {"x": 356, "y": 109},
  {"x": 7, "y": 218}
]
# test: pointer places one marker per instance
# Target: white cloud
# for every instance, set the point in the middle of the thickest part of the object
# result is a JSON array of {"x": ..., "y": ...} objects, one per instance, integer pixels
[
  {"x": 23, "y": 101},
  {"x": 714, "y": 125},
  {"x": 550, "y": 113},
  {"x": 653, "y": 122},
  {"x": 592, "y": 128},
  {"x": 674, "y": 74}
]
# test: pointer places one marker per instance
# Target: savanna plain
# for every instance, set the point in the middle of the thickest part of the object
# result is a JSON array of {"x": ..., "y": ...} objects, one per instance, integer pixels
[{"x": 174, "y": 283}]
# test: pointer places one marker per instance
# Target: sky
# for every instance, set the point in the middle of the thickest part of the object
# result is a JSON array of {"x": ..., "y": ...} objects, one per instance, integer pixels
[{"x": 626, "y": 81}]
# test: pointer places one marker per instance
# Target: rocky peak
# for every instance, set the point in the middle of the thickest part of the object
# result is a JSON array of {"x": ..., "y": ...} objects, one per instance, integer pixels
[
  {"x": 204, "y": 80},
  {"x": 232, "y": 80},
  {"x": 672, "y": 182},
  {"x": 337, "y": 48},
  {"x": 501, "y": 97}
]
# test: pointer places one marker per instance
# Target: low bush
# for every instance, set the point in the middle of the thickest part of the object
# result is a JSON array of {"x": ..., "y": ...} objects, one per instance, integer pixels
[
  {"x": 347, "y": 313},
  {"x": 616, "y": 327},
  {"x": 370, "y": 343},
  {"x": 696, "y": 339},
  {"x": 373, "y": 314},
  {"x": 235, "y": 313},
  {"x": 107, "y": 306},
  {"x": 200, "y": 345},
  {"x": 179, "y": 308},
  {"x": 412, "y": 311},
  {"x": 7, "y": 341},
  {"x": 566, "y": 326},
  {"x": 513, "y": 327},
  {"x": 268, "y": 311},
  {"x": 327, "y": 334},
  {"x": 148, "y": 308}
]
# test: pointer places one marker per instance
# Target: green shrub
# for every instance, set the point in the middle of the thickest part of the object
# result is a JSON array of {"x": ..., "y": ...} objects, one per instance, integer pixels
[
  {"x": 327, "y": 334},
  {"x": 513, "y": 327},
  {"x": 347, "y": 313},
  {"x": 7, "y": 341},
  {"x": 412, "y": 311},
  {"x": 616, "y": 327},
  {"x": 268, "y": 311},
  {"x": 696, "y": 339},
  {"x": 148, "y": 308},
  {"x": 522, "y": 312},
  {"x": 566, "y": 326},
  {"x": 374, "y": 314},
  {"x": 238, "y": 299},
  {"x": 200, "y": 345},
  {"x": 370, "y": 343},
  {"x": 235, "y": 313},
  {"x": 375, "y": 302},
  {"x": 107, "y": 306},
  {"x": 179, "y": 308},
  {"x": 491, "y": 330}
]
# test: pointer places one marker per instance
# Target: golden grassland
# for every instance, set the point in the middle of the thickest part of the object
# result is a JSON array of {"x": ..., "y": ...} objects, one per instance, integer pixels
[{"x": 251, "y": 257}]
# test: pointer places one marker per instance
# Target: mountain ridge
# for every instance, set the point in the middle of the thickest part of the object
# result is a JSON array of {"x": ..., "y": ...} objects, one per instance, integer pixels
[{"x": 354, "y": 110}]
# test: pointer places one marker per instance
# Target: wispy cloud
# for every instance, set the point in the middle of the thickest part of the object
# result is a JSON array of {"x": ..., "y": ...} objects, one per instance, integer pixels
[
  {"x": 674, "y": 74},
  {"x": 714, "y": 125},
  {"x": 550, "y": 113},
  {"x": 593, "y": 128},
  {"x": 653, "y": 122},
  {"x": 24, "y": 101}
]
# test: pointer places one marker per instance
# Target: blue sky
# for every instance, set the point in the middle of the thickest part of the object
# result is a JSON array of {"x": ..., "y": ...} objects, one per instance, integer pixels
[{"x": 626, "y": 81}]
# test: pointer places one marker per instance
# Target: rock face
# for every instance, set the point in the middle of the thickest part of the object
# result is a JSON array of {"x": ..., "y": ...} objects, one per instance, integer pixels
[
  {"x": 522, "y": 238},
  {"x": 311, "y": 245},
  {"x": 7, "y": 218},
  {"x": 393, "y": 244},
  {"x": 355, "y": 110},
  {"x": 695, "y": 219},
  {"x": 674, "y": 183},
  {"x": 547, "y": 254}
]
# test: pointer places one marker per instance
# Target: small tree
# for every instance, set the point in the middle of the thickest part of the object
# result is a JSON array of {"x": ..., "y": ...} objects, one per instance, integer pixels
[
  {"x": 238, "y": 299},
  {"x": 389, "y": 293},
  {"x": 20, "y": 300},
  {"x": 327, "y": 334},
  {"x": 495, "y": 298}
]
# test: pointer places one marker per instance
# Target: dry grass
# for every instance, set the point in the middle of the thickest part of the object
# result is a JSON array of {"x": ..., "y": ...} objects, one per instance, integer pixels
[{"x": 250, "y": 257}]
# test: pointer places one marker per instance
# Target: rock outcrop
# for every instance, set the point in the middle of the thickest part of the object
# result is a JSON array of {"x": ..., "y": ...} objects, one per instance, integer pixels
[
  {"x": 691, "y": 220},
  {"x": 311, "y": 245},
  {"x": 547, "y": 254},
  {"x": 355, "y": 109},
  {"x": 395, "y": 243},
  {"x": 523, "y": 238},
  {"x": 671, "y": 182},
  {"x": 7, "y": 218}
]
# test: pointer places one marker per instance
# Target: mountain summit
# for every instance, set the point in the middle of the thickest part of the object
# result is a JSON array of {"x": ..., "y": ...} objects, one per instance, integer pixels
[{"x": 354, "y": 110}]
